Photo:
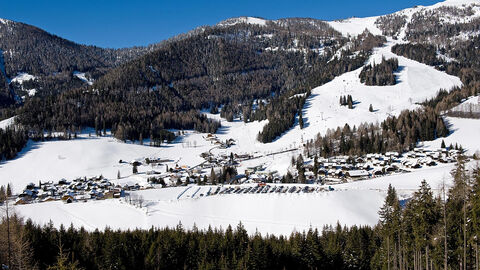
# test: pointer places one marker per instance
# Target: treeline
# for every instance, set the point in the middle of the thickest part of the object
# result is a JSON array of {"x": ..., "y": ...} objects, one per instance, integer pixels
[
  {"x": 12, "y": 141},
  {"x": 380, "y": 74},
  {"x": 221, "y": 66},
  {"x": 394, "y": 134},
  {"x": 429, "y": 231},
  {"x": 431, "y": 25},
  {"x": 129, "y": 115}
]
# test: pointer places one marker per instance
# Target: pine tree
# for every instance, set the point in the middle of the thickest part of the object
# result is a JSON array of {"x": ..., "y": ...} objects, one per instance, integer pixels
[
  {"x": 213, "y": 177},
  {"x": 443, "y": 144},
  {"x": 390, "y": 220},
  {"x": 118, "y": 174},
  {"x": 3, "y": 194},
  {"x": 9, "y": 191},
  {"x": 421, "y": 215},
  {"x": 300, "y": 120},
  {"x": 63, "y": 262},
  {"x": 134, "y": 169},
  {"x": 370, "y": 109},
  {"x": 458, "y": 209},
  {"x": 315, "y": 166}
]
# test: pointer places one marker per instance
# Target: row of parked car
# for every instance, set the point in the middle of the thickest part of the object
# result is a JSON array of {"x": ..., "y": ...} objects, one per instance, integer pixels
[{"x": 269, "y": 189}]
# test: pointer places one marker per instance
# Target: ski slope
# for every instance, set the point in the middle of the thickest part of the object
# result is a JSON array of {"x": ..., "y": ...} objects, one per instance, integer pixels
[
  {"x": 356, "y": 26},
  {"x": 416, "y": 82},
  {"x": 464, "y": 132}
]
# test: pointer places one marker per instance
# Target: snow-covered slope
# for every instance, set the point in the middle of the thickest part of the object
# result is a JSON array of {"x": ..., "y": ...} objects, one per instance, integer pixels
[
  {"x": 355, "y": 26},
  {"x": 464, "y": 132}
]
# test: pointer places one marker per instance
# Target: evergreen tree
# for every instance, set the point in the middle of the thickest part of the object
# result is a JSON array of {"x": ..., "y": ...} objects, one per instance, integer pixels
[
  {"x": 9, "y": 191},
  {"x": 316, "y": 166},
  {"x": 3, "y": 194},
  {"x": 443, "y": 144},
  {"x": 350, "y": 102},
  {"x": 390, "y": 221},
  {"x": 370, "y": 108},
  {"x": 300, "y": 119},
  {"x": 213, "y": 177}
]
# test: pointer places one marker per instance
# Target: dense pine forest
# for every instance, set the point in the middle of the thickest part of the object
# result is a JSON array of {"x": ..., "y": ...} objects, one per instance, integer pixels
[
  {"x": 431, "y": 230},
  {"x": 380, "y": 74},
  {"x": 12, "y": 141}
]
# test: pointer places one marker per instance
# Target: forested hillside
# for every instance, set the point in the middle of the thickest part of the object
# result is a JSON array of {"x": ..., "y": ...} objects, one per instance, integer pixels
[
  {"x": 221, "y": 65},
  {"x": 52, "y": 59}
]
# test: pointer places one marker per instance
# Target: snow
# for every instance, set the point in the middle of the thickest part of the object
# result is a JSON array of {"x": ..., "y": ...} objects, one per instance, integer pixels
[
  {"x": 7, "y": 122},
  {"x": 356, "y": 26},
  {"x": 322, "y": 111},
  {"x": 351, "y": 203},
  {"x": 91, "y": 215},
  {"x": 464, "y": 131},
  {"x": 82, "y": 76},
  {"x": 22, "y": 77},
  {"x": 271, "y": 213},
  {"x": 247, "y": 20},
  {"x": 92, "y": 156},
  {"x": 31, "y": 92}
]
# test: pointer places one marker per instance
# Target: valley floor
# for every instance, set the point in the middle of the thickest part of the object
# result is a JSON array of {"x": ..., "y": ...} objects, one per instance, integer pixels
[{"x": 270, "y": 213}]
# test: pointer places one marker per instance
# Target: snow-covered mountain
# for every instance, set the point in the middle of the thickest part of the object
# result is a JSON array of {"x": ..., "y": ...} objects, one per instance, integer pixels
[{"x": 269, "y": 47}]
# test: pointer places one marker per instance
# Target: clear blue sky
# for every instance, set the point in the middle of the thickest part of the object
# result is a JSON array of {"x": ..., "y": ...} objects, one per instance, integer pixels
[{"x": 128, "y": 23}]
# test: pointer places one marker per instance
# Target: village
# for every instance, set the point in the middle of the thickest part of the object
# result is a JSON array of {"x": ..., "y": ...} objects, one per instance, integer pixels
[{"x": 162, "y": 173}]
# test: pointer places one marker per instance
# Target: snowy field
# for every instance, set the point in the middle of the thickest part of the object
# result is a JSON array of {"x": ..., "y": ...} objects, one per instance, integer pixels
[
  {"x": 279, "y": 214},
  {"x": 93, "y": 156}
]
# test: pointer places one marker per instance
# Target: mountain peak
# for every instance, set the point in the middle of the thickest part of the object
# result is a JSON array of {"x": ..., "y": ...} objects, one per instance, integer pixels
[
  {"x": 4, "y": 21},
  {"x": 244, "y": 19}
]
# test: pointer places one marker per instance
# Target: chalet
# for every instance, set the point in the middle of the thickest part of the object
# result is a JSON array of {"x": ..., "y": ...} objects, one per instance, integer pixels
[
  {"x": 378, "y": 172},
  {"x": 357, "y": 174},
  {"x": 67, "y": 198},
  {"x": 391, "y": 168},
  {"x": 20, "y": 201},
  {"x": 48, "y": 199}
]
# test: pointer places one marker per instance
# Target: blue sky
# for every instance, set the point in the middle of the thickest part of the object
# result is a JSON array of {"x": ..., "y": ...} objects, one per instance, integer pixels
[{"x": 128, "y": 23}]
